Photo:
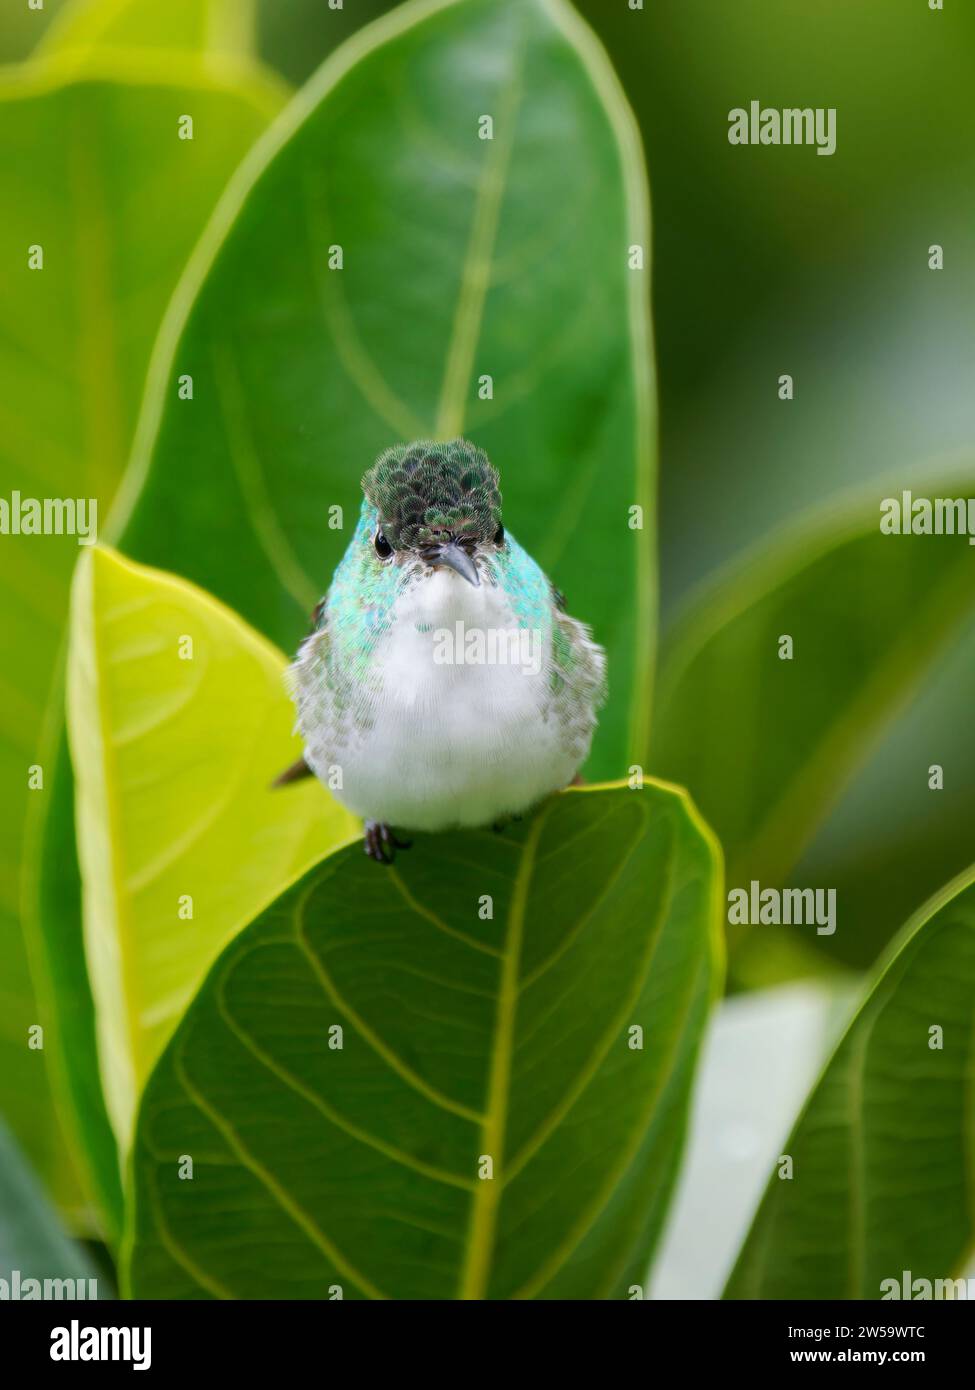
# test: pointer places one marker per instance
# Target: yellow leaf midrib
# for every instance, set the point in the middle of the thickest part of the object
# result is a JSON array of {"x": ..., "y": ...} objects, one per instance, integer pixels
[
  {"x": 487, "y": 1195},
  {"x": 476, "y": 271}
]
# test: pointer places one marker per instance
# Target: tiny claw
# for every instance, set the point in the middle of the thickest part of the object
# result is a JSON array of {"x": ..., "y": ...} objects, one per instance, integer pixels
[{"x": 381, "y": 844}]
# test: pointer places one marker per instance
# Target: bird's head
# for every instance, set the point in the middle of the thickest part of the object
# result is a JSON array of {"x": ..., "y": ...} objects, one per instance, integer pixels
[{"x": 437, "y": 506}]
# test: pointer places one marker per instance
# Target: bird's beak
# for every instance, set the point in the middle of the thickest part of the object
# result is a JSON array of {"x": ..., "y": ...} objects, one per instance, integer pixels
[{"x": 458, "y": 560}]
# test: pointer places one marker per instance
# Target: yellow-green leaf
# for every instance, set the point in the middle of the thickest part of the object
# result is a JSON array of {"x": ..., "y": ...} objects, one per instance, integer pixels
[
  {"x": 215, "y": 26},
  {"x": 178, "y": 720}
]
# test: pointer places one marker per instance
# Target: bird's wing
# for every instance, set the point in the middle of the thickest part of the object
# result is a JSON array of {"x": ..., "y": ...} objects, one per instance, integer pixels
[
  {"x": 577, "y": 679},
  {"x": 313, "y": 651}
]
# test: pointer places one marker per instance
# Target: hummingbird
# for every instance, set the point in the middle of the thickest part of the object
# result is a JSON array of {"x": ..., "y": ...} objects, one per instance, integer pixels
[{"x": 443, "y": 685}]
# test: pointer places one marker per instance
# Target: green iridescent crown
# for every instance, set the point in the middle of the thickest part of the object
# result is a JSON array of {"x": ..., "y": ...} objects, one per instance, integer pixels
[{"x": 423, "y": 491}]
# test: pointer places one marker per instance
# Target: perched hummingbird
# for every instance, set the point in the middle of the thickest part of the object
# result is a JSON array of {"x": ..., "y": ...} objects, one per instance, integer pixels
[{"x": 442, "y": 676}]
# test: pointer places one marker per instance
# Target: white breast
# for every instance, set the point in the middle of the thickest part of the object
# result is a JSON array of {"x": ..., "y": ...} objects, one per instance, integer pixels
[{"x": 455, "y": 741}]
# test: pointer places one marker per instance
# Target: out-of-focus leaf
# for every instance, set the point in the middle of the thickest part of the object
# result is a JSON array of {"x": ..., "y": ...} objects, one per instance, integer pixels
[
  {"x": 293, "y": 36},
  {"x": 22, "y": 29},
  {"x": 882, "y": 1178},
  {"x": 482, "y": 1124},
  {"x": 92, "y": 166},
  {"x": 32, "y": 1242},
  {"x": 892, "y": 839},
  {"x": 60, "y": 975},
  {"x": 193, "y": 26},
  {"x": 178, "y": 720},
  {"x": 881, "y": 367},
  {"x": 784, "y": 262},
  {"x": 459, "y": 263},
  {"x": 766, "y": 745}
]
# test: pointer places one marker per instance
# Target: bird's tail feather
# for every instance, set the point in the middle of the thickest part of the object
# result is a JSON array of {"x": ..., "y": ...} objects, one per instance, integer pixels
[{"x": 294, "y": 773}]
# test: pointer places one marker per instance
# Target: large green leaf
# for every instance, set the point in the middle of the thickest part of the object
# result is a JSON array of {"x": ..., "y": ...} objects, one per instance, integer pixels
[
  {"x": 459, "y": 261},
  {"x": 91, "y": 160},
  {"x": 32, "y": 1243},
  {"x": 466, "y": 1036},
  {"x": 766, "y": 745},
  {"x": 882, "y": 1154},
  {"x": 178, "y": 720}
]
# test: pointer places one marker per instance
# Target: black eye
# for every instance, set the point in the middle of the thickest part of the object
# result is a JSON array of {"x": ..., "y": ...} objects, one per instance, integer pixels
[
  {"x": 499, "y": 536},
  {"x": 383, "y": 547}
]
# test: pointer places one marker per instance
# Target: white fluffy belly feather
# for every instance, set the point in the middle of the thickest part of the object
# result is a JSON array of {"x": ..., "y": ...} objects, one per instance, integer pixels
[{"x": 458, "y": 743}]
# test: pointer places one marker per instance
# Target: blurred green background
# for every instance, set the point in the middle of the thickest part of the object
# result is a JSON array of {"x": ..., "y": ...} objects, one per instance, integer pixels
[{"x": 766, "y": 261}]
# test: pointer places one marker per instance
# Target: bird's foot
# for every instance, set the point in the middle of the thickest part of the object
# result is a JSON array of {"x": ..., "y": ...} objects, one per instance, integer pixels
[{"x": 381, "y": 844}]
